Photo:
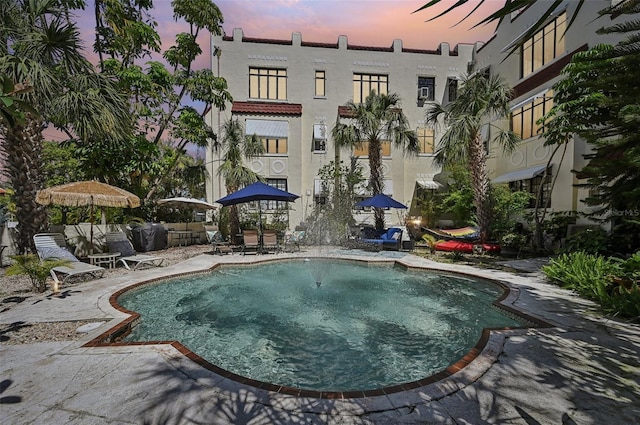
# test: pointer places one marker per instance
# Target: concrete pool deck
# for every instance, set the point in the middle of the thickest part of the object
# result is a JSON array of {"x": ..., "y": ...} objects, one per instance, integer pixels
[{"x": 583, "y": 370}]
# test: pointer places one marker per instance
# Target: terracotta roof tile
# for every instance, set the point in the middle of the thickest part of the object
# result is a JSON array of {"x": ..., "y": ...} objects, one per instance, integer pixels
[
  {"x": 346, "y": 112},
  {"x": 266, "y": 108}
]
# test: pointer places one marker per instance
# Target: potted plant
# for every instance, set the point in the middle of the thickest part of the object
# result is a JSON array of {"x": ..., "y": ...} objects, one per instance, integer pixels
[{"x": 38, "y": 271}]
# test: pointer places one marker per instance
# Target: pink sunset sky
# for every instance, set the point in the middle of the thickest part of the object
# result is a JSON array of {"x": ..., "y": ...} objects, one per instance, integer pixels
[{"x": 364, "y": 22}]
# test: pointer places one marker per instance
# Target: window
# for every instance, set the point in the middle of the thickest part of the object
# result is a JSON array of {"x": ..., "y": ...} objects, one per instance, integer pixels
[
  {"x": 362, "y": 148},
  {"x": 274, "y": 146},
  {"x": 321, "y": 82},
  {"x": 320, "y": 192},
  {"x": 545, "y": 45},
  {"x": 532, "y": 186},
  {"x": 267, "y": 83},
  {"x": 275, "y": 205},
  {"x": 426, "y": 140},
  {"x": 452, "y": 89},
  {"x": 523, "y": 119},
  {"x": 364, "y": 84},
  {"x": 426, "y": 89},
  {"x": 319, "y": 138}
]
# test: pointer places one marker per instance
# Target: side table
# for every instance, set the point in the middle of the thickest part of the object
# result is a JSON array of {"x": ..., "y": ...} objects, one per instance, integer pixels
[{"x": 104, "y": 259}]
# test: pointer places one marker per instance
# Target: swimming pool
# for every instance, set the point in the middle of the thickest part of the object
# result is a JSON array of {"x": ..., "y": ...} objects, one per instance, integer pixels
[{"x": 364, "y": 327}]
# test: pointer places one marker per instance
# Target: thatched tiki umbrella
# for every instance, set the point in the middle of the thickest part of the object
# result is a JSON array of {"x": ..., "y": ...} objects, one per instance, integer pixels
[{"x": 88, "y": 193}]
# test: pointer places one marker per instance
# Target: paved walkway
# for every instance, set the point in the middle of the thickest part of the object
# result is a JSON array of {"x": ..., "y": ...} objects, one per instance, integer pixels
[{"x": 584, "y": 370}]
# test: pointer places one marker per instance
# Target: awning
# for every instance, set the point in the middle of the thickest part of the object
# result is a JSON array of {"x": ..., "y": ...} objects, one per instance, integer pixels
[
  {"x": 268, "y": 128},
  {"x": 317, "y": 188},
  {"x": 526, "y": 174},
  {"x": 320, "y": 132},
  {"x": 426, "y": 181}
]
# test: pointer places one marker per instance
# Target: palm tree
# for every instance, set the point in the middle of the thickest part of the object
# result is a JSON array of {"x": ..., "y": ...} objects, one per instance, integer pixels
[
  {"x": 376, "y": 120},
  {"x": 481, "y": 100},
  {"x": 41, "y": 47},
  {"x": 235, "y": 147}
]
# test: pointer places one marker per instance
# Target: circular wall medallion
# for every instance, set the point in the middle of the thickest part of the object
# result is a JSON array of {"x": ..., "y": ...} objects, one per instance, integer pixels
[
  {"x": 517, "y": 157},
  {"x": 257, "y": 165},
  {"x": 541, "y": 152},
  {"x": 278, "y": 166}
]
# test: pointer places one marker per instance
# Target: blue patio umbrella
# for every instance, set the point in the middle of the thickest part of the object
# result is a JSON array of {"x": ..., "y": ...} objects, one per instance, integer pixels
[
  {"x": 381, "y": 201},
  {"x": 257, "y": 191}
]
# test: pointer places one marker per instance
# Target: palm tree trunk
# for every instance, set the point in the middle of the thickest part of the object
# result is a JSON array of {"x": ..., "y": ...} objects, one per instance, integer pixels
[
  {"x": 23, "y": 149},
  {"x": 480, "y": 184},
  {"x": 375, "y": 164}
]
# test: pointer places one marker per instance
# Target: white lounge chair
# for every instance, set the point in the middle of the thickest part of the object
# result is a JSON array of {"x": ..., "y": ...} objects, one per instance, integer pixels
[
  {"x": 53, "y": 245},
  {"x": 118, "y": 242}
]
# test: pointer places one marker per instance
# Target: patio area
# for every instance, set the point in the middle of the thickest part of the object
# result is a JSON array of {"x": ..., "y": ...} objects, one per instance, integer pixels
[{"x": 585, "y": 369}]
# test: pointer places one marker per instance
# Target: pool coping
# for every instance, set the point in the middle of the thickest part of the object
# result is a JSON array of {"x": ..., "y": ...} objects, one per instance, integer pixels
[{"x": 487, "y": 348}]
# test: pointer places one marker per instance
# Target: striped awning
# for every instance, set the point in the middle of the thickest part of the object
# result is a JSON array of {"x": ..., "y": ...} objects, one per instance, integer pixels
[
  {"x": 426, "y": 181},
  {"x": 525, "y": 174},
  {"x": 268, "y": 128}
]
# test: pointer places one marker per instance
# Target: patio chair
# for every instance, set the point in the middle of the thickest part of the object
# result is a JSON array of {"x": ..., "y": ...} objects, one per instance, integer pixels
[
  {"x": 118, "y": 242},
  {"x": 390, "y": 239},
  {"x": 250, "y": 241},
  {"x": 270, "y": 241},
  {"x": 293, "y": 240},
  {"x": 215, "y": 238},
  {"x": 53, "y": 245}
]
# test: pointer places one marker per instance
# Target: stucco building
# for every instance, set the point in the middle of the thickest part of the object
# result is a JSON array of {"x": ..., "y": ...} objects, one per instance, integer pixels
[
  {"x": 531, "y": 71},
  {"x": 290, "y": 93}
]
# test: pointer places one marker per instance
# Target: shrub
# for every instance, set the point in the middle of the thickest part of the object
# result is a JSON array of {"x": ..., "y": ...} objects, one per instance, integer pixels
[
  {"x": 610, "y": 281},
  {"x": 592, "y": 241},
  {"x": 37, "y": 271},
  {"x": 585, "y": 273}
]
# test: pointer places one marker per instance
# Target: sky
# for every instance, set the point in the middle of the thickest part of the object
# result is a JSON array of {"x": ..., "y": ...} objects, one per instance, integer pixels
[{"x": 365, "y": 22}]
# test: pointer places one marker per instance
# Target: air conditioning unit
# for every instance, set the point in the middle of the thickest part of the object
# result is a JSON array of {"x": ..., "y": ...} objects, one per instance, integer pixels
[{"x": 424, "y": 93}]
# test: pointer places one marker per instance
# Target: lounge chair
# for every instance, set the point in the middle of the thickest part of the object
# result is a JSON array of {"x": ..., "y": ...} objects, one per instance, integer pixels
[
  {"x": 214, "y": 237},
  {"x": 389, "y": 239},
  {"x": 250, "y": 241},
  {"x": 293, "y": 240},
  {"x": 53, "y": 245},
  {"x": 270, "y": 241},
  {"x": 118, "y": 242}
]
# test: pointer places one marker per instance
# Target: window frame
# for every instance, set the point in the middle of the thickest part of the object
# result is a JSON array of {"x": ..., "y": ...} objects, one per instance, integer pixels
[
  {"x": 531, "y": 186},
  {"x": 363, "y": 148},
  {"x": 380, "y": 81},
  {"x": 281, "y": 184},
  {"x": 267, "y": 83},
  {"x": 523, "y": 118},
  {"x": 322, "y": 80},
  {"x": 423, "y": 138},
  {"x": 546, "y": 45},
  {"x": 426, "y": 81},
  {"x": 268, "y": 141}
]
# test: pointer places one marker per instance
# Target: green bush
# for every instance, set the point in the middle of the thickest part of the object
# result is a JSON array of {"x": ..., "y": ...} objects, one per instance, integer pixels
[
  {"x": 593, "y": 241},
  {"x": 588, "y": 274},
  {"x": 612, "y": 282}
]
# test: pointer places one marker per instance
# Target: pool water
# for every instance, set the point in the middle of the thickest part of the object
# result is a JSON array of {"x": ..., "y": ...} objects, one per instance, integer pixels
[{"x": 364, "y": 327}]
